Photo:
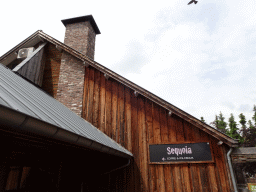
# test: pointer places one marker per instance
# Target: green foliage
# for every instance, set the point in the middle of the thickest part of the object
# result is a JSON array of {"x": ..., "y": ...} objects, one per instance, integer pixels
[
  {"x": 242, "y": 120},
  {"x": 222, "y": 123},
  {"x": 219, "y": 123},
  {"x": 233, "y": 130},
  {"x": 247, "y": 133},
  {"x": 254, "y": 116}
]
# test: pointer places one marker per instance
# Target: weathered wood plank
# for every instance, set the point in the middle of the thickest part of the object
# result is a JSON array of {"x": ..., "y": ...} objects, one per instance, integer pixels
[
  {"x": 121, "y": 125},
  {"x": 39, "y": 67},
  {"x": 135, "y": 140},
  {"x": 85, "y": 94},
  {"x": 181, "y": 136},
  {"x": 171, "y": 138},
  {"x": 143, "y": 144},
  {"x": 114, "y": 110},
  {"x": 165, "y": 139},
  {"x": 128, "y": 114},
  {"x": 209, "y": 169},
  {"x": 176, "y": 168},
  {"x": 89, "y": 110},
  {"x": 217, "y": 159},
  {"x": 108, "y": 114},
  {"x": 150, "y": 135},
  {"x": 41, "y": 72},
  {"x": 102, "y": 103},
  {"x": 157, "y": 140},
  {"x": 96, "y": 98},
  {"x": 203, "y": 167},
  {"x": 222, "y": 168}
]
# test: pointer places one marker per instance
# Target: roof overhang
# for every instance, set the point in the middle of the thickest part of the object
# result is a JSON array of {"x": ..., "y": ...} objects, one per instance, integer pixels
[
  {"x": 169, "y": 107},
  {"x": 22, "y": 123}
]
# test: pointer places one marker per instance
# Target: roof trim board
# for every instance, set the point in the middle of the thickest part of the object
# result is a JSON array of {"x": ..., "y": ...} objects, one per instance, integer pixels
[{"x": 194, "y": 121}]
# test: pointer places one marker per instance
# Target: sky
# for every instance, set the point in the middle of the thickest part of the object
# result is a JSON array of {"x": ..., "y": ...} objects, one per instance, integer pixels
[{"x": 199, "y": 57}]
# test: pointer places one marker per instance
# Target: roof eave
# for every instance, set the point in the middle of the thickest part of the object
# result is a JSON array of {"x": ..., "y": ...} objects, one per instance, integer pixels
[
  {"x": 24, "y": 123},
  {"x": 194, "y": 121}
]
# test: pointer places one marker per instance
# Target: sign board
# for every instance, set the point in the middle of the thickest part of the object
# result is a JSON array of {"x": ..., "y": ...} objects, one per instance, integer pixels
[
  {"x": 252, "y": 187},
  {"x": 180, "y": 153}
]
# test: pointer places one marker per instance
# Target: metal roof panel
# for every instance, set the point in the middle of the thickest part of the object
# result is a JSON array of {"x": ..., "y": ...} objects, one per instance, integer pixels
[{"x": 20, "y": 95}]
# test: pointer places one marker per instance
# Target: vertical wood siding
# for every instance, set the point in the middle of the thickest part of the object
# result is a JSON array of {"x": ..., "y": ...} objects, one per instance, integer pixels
[
  {"x": 136, "y": 122},
  {"x": 33, "y": 69}
]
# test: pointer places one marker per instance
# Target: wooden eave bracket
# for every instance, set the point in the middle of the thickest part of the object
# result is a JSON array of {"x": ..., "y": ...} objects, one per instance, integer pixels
[
  {"x": 136, "y": 93},
  {"x": 220, "y": 143},
  {"x": 106, "y": 76}
]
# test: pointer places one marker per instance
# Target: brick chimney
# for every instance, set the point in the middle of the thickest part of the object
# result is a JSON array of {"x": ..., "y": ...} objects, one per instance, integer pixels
[{"x": 80, "y": 35}]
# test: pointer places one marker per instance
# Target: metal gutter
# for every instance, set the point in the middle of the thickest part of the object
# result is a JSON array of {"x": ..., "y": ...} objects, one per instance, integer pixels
[
  {"x": 126, "y": 165},
  {"x": 21, "y": 122},
  {"x": 231, "y": 169}
]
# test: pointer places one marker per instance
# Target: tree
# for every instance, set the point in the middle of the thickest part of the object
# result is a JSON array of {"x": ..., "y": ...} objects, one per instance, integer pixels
[
  {"x": 233, "y": 130},
  {"x": 222, "y": 124},
  {"x": 202, "y": 119},
  {"x": 219, "y": 123},
  {"x": 248, "y": 133},
  {"x": 215, "y": 123},
  {"x": 242, "y": 120},
  {"x": 254, "y": 116}
]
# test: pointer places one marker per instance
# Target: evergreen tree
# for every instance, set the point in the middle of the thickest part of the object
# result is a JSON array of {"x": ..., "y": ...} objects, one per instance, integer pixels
[
  {"x": 233, "y": 130},
  {"x": 244, "y": 130},
  {"x": 219, "y": 123},
  {"x": 202, "y": 119},
  {"x": 242, "y": 120},
  {"x": 250, "y": 124},
  {"x": 215, "y": 123},
  {"x": 222, "y": 125},
  {"x": 254, "y": 116}
]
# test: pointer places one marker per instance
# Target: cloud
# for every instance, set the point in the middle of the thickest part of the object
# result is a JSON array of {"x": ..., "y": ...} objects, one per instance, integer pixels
[
  {"x": 245, "y": 108},
  {"x": 133, "y": 60},
  {"x": 217, "y": 74}
]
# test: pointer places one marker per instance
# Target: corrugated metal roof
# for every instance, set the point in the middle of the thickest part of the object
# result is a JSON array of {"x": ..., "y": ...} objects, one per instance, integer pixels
[{"x": 20, "y": 95}]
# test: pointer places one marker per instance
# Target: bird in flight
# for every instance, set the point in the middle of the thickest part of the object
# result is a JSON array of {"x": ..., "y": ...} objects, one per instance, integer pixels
[{"x": 193, "y": 1}]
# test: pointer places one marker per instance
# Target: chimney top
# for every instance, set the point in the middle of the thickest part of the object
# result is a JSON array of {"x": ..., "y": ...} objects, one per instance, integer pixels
[{"x": 82, "y": 19}]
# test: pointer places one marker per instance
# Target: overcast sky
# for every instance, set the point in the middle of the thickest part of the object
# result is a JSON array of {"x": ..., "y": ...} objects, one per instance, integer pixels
[{"x": 200, "y": 58}]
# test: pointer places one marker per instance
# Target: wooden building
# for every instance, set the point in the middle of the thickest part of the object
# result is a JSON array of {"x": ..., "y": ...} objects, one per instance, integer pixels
[{"x": 126, "y": 113}]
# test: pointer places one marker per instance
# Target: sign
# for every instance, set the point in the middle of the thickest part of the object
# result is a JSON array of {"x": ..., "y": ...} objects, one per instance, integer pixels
[
  {"x": 188, "y": 152},
  {"x": 252, "y": 187}
]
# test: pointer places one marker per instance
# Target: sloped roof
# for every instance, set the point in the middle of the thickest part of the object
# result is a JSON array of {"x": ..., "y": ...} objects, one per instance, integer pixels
[
  {"x": 194, "y": 121},
  {"x": 244, "y": 151},
  {"x": 23, "y": 97}
]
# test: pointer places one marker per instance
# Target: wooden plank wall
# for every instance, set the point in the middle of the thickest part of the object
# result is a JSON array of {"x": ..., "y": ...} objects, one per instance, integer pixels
[
  {"x": 33, "y": 69},
  {"x": 136, "y": 122}
]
